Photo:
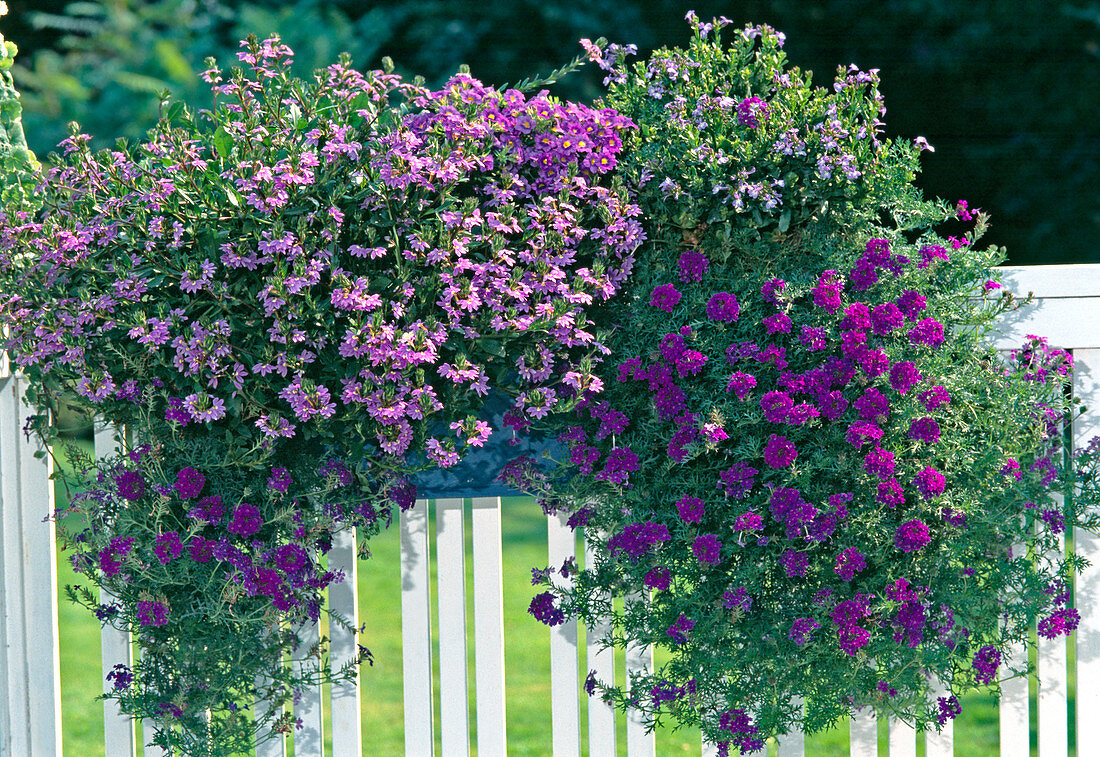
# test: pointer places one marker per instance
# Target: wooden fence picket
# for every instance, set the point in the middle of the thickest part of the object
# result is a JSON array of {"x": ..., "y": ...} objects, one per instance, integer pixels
[
  {"x": 450, "y": 547},
  {"x": 115, "y": 647},
  {"x": 1086, "y": 381},
  {"x": 489, "y": 628},
  {"x": 902, "y": 738},
  {"x": 343, "y": 600},
  {"x": 939, "y": 743},
  {"x": 601, "y": 715},
  {"x": 416, "y": 630},
  {"x": 1053, "y": 689},
  {"x": 639, "y": 743},
  {"x": 309, "y": 739},
  {"x": 564, "y": 688},
  {"x": 15, "y": 736},
  {"x": 792, "y": 744},
  {"x": 30, "y": 583},
  {"x": 863, "y": 734}
]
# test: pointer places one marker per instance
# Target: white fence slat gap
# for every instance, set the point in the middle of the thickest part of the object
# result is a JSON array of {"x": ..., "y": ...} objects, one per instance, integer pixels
[
  {"x": 1053, "y": 689},
  {"x": 343, "y": 599},
  {"x": 1086, "y": 380},
  {"x": 492, "y": 738},
  {"x": 416, "y": 630},
  {"x": 638, "y": 742},
  {"x": 709, "y": 749},
  {"x": 863, "y": 734},
  {"x": 793, "y": 744},
  {"x": 115, "y": 649},
  {"x": 939, "y": 743},
  {"x": 564, "y": 688},
  {"x": 902, "y": 739},
  {"x": 309, "y": 740},
  {"x": 601, "y": 715},
  {"x": 40, "y": 593},
  {"x": 450, "y": 550},
  {"x": 15, "y": 740}
]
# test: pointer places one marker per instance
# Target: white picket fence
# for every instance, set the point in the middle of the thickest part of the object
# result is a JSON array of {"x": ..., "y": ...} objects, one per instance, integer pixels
[{"x": 1066, "y": 310}]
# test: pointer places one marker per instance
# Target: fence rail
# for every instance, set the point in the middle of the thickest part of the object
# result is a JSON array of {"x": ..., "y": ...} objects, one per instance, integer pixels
[{"x": 1066, "y": 310}]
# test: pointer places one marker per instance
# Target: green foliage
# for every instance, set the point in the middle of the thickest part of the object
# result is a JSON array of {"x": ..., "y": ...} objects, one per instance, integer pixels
[
  {"x": 118, "y": 58},
  {"x": 18, "y": 165}
]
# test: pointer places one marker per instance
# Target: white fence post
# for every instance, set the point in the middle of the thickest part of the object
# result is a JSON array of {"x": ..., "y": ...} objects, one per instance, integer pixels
[
  {"x": 639, "y": 659},
  {"x": 343, "y": 599},
  {"x": 489, "y": 628},
  {"x": 939, "y": 743},
  {"x": 309, "y": 740},
  {"x": 115, "y": 648},
  {"x": 863, "y": 734},
  {"x": 450, "y": 546},
  {"x": 564, "y": 689},
  {"x": 601, "y": 715},
  {"x": 1086, "y": 380},
  {"x": 416, "y": 630},
  {"x": 32, "y": 691},
  {"x": 1053, "y": 688}
]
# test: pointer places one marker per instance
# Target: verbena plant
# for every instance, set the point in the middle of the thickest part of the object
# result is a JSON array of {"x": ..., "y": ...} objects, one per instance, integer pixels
[
  {"x": 291, "y": 301},
  {"x": 808, "y": 477}
]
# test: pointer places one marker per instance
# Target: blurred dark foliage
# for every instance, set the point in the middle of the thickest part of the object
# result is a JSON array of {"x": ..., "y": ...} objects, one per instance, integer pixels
[{"x": 1008, "y": 91}]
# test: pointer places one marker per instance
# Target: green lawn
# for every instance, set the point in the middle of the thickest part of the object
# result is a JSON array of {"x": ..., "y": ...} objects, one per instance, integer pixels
[{"x": 526, "y": 661}]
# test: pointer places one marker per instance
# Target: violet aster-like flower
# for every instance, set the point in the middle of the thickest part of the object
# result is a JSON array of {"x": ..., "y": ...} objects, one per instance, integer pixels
[
  {"x": 693, "y": 264},
  {"x": 751, "y": 111},
  {"x": 885, "y": 318},
  {"x": 912, "y": 535},
  {"x": 167, "y": 547},
  {"x": 279, "y": 480},
  {"x": 802, "y": 630},
  {"x": 794, "y": 563},
  {"x": 879, "y": 462},
  {"x": 545, "y": 611},
  {"x": 741, "y": 384},
  {"x": 189, "y": 483},
  {"x": 707, "y": 549},
  {"x": 723, "y": 307},
  {"x": 986, "y": 662},
  {"x": 679, "y": 630},
  {"x": 665, "y": 297},
  {"x": 924, "y": 430},
  {"x": 690, "y": 509},
  {"x": 904, "y": 376},
  {"x": 131, "y": 485},
  {"x": 849, "y": 562},
  {"x": 779, "y": 452},
  {"x": 930, "y": 482},
  {"x": 1060, "y": 622},
  {"x": 658, "y": 578},
  {"x": 152, "y": 614},
  {"x": 246, "y": 520},
  {"x": 737, "y": 480}
]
